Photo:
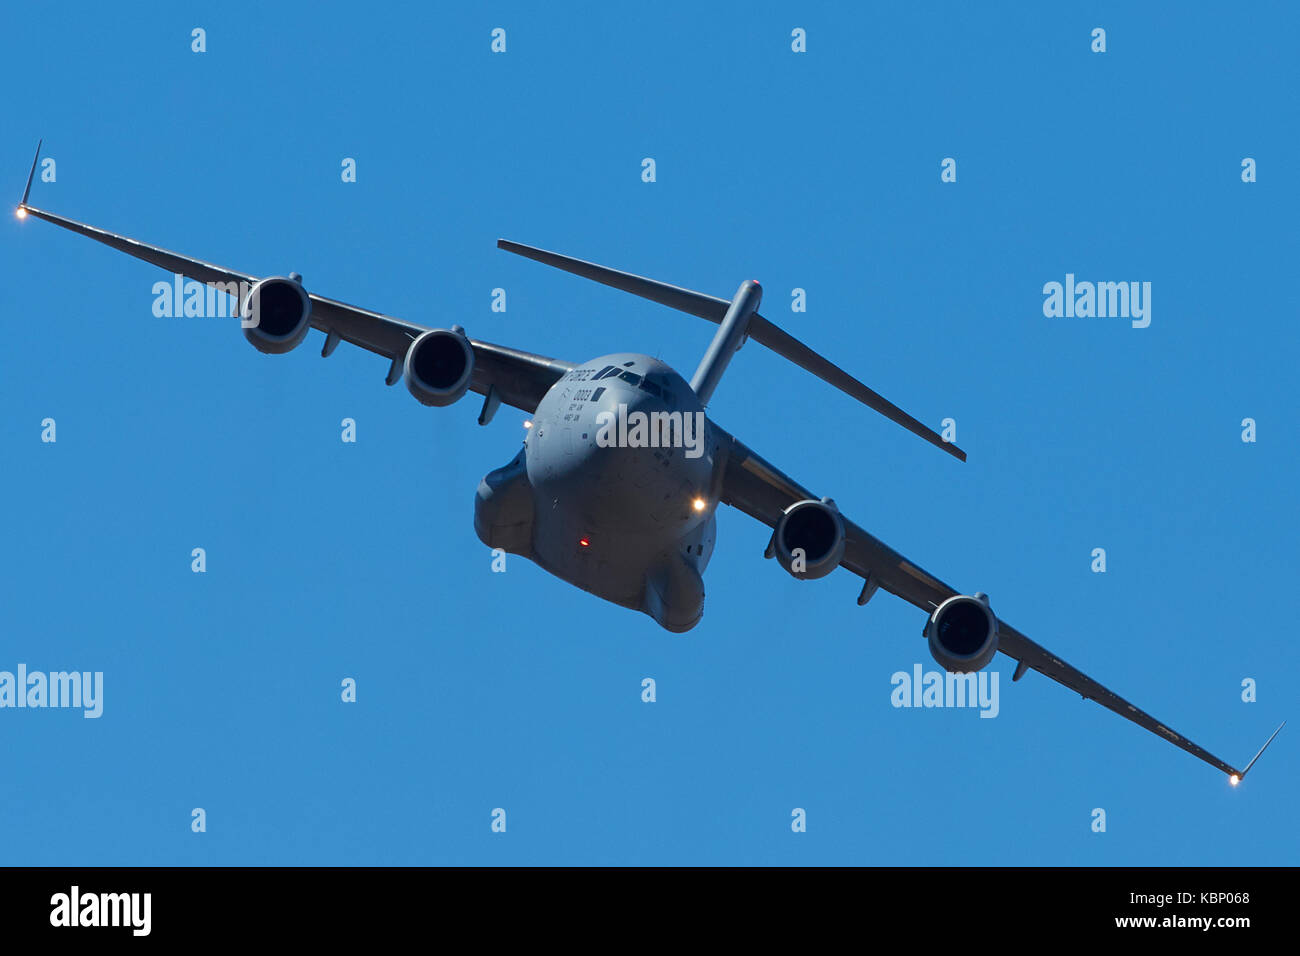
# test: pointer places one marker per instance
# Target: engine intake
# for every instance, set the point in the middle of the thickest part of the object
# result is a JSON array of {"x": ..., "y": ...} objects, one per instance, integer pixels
[
  {"x": 963, "y": 633},
  {"x": 276, "y": 315},
  {"x": 809, "y": 539},
  {"x": 438, "y": 367}
]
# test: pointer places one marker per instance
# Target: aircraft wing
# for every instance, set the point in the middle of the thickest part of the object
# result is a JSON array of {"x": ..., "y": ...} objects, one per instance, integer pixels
[
  {"x": 762, "y": 491},
  {"x": 520, "y": 378}
]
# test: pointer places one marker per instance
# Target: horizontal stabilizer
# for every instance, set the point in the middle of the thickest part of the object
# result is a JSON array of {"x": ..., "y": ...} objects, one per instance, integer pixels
[
  {"x": 760, "y": 330},
  {"x": 683, "y": 300}
]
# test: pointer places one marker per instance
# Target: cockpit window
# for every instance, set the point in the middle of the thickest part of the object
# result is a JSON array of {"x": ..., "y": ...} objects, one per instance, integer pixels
[
  {"x": 603, "y": 372},
  {"x": 595, "y": 396},
  {"x": 630, "y": 378},
  {"x": 652, "y": 388}
]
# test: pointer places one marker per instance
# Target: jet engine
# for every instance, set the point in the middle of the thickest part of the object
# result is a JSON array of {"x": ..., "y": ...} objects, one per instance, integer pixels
[
  {"x": 438, "y": 367},
  {"x": 809, "y": 539},
  {"x": 280, "y": 312},
  {"x": 963, "y": 633}
]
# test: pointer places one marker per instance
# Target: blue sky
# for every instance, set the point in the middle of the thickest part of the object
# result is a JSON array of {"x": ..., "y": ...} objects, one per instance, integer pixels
[{"x": 819, "y": 171}]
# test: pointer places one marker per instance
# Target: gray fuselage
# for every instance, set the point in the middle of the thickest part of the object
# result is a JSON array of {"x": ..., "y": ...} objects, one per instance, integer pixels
[{"x": 615, "y": 488}]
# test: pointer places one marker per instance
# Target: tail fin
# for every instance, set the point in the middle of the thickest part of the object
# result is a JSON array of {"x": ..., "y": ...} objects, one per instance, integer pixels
[{"x": 759, "y": 329}]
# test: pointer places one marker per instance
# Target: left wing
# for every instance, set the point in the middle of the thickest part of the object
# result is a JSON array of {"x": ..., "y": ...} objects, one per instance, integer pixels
[
  {"x": 519, "y": 378},
  {"x": 762, "y": 491}
]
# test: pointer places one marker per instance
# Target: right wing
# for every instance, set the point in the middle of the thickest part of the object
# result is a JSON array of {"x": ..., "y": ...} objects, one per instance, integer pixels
[
  {"x": 762, "y": 491},
  {"x": 519, "y": 378}
]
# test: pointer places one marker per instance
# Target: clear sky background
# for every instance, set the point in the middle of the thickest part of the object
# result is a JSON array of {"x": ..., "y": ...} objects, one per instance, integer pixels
[{"x": 819, "y": 170}]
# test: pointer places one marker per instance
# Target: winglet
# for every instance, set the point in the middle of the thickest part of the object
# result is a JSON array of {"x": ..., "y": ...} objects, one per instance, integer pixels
[
  {"x": 22, "y": 206},
  {"x": 1237, "y": 778}
]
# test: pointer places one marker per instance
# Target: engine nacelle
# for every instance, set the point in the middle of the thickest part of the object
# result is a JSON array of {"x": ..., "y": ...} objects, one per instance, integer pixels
[
  {"x": 276, "y": 315},
  {"x": 809, "y": 539},
  {"x": 438, "y": 367},
  {"x": 963, "y": 633}
]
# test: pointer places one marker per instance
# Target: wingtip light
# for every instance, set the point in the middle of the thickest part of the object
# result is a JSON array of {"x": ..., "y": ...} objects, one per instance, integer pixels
[
  {"x": 1234, "y": 780},
  {"x": 21, "y": 212}
]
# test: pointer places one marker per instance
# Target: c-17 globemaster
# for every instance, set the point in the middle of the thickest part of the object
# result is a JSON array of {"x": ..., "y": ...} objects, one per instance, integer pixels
[{"x": 619, "y": 477}]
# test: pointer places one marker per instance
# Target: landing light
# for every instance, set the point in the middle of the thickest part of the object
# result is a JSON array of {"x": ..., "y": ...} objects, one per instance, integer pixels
[
  {"x": 699, "y": 504},
  {"x": 21, "y": 213},
  {"x": 528, "y": 424},
  {"x": 1234, "y": 780}
]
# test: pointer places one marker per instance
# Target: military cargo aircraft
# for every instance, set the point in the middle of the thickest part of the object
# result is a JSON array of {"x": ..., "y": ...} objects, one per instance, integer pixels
[{"x": 620, "y": 475}]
